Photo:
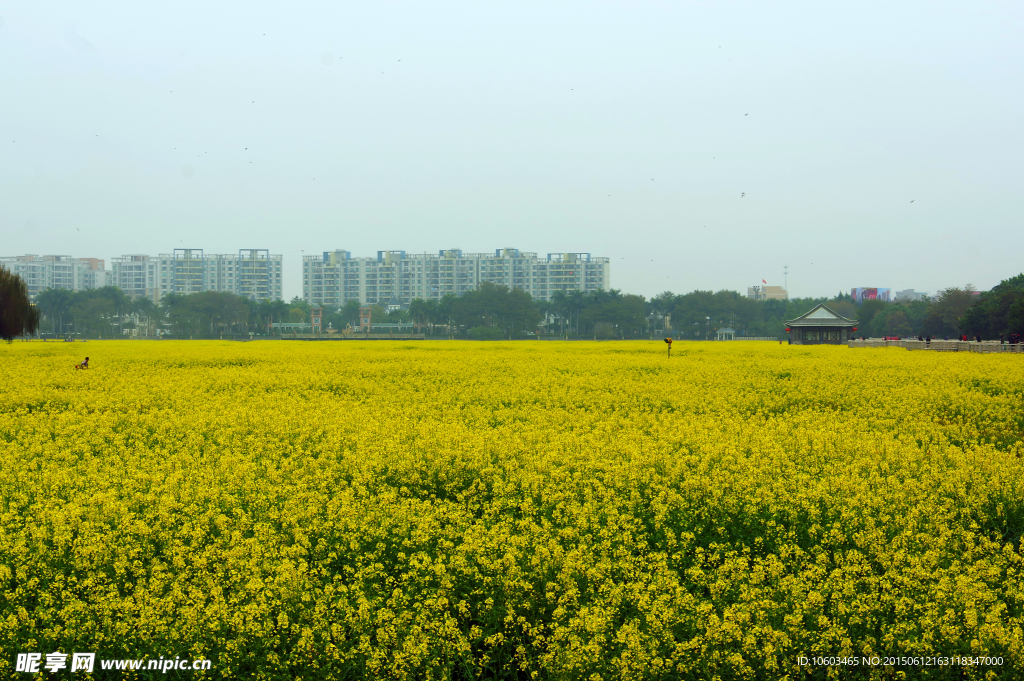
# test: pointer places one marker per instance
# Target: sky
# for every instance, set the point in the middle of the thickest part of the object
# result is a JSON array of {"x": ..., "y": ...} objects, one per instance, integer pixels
[{"x": 697, "y": 145}]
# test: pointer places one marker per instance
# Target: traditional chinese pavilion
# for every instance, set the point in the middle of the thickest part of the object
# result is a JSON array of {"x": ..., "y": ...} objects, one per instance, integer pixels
[{"x": 820, "y": 326}]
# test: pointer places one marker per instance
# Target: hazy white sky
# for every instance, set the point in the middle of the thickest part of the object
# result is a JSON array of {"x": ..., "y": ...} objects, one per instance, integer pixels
[{"x": 698, "y": 145}]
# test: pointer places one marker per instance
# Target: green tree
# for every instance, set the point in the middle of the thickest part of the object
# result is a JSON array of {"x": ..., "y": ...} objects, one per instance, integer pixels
[
  {"x": 100, "y": 312},
  {"x": 560, "y": 308},
  {"x": 397, "y": 317},
  {"x": 446, "y": 313},
  {"x": 418, "y": 313},
  {"x": 18, "y": 316},
  {"x": 520, "y": 315},
  {"x": 693, "y": 314},
  {"x": 892, "y": 321},
  {"x": 55, "y": 306},
  {"x": 148, "y": 314},
  {"x": 489, "y": 333},
  {"x": 178, "y": 312},
  {"x": 350, "y": 312},
  {"x": 298, "y": 303},
  {"x": 545, "y": 311},
  {"x": 575, "y": 301},
  {"x": 433, "y": 315},
  {"x": 378, "y": 314},
  {"x": 622, "y": 315},
  {"x": 510, "y": 311},
  {"x": 949, "y": 306},
  {"x": 268, "y": 312},
  {"x": 866, "y": 312},
  {"x": 480, "y": 307},
  {"x": 660, "y": 310},
  {"x": 999, "y": 312},
  {"x": 207, "y": 315}
]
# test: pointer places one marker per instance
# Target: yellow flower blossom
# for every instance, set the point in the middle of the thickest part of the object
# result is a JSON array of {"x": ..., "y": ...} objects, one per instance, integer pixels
[{"x": 443, "y": 510}]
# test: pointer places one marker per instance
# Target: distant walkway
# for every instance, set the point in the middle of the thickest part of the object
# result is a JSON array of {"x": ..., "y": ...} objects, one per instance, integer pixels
[
  {"x": 353, "y": 336},
  {"x": 939, "y": 345}
]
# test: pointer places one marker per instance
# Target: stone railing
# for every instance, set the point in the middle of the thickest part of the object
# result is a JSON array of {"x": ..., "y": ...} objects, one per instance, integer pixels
[
  {"x": 996, "y": 346},
  {"x": 938, "y": 345},
  {"x": 871, "y": 343}
]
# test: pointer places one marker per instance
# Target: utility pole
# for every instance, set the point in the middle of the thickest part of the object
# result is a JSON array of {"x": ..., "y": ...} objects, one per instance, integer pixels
[{"x": 785, "y": 275}]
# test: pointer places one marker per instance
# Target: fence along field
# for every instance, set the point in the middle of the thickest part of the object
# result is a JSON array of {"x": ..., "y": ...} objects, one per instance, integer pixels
[{"x": 461, "y": 510}]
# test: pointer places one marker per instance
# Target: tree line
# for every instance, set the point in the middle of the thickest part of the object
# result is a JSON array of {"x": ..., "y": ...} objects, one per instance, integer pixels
[
  {"x": 492, "y": 312},
  {"x": 108, "y": 313},
  {"x": 489, "y": 312},
  {"x": 955, "y": 311}
]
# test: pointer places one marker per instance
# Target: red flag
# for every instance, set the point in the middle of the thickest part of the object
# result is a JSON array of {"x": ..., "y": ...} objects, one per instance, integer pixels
[{"x": 763, "y": 281}]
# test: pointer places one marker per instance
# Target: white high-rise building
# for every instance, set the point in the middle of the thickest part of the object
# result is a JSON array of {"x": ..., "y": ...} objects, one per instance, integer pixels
[
  {"x": 41, "y": 272},
  {"x": 253, "y": 273},
  {"x": 397, "y": 276},
  {"x": 136, "y": 275}
]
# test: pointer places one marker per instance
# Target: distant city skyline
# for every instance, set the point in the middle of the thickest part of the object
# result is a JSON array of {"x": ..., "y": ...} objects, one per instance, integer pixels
[
  {"x": 697, "y": 146},
  {"x": 219, "y": 268}
]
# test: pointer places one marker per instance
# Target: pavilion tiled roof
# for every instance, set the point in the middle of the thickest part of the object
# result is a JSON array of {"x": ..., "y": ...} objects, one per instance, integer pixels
[{"x": 820, "y": 315}]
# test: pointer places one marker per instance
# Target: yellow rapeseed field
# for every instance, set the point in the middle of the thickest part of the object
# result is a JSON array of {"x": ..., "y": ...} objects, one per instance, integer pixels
[{"x": 435, "y": 510}]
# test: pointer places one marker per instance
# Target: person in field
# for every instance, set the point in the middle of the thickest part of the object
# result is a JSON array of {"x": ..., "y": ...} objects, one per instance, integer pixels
[{"x": 83, "y": 365}]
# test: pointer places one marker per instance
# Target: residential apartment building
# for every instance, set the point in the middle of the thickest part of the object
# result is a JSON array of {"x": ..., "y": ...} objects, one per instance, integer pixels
[
  {"x": 136, "y": 275},
  {"x": 41, "y": 272},
  {"x": 92, "y": 273},
  {"x": 252, "y": 273},
  {"x": 337, "y": 277}
]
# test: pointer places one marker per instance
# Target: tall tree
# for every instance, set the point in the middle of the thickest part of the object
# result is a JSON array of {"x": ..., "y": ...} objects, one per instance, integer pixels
[
  {"x": 18, "y": 316},
  {"x": 148, "y": 315},
  {"x": 433, "y": 315},
  {"x": 99, "y": 312},
  {"x": 418, "y": 312},
  {"x": 560, "y": 307},
  {"x": 947, "y": 309},
  {"x": 520, "y": 314},
  {"x": 446, "y": 312},
  {"x": 660, "y": 307},
  {"x": 997, "y": 312},
  {"x": 268, "y": 312},
  {"x": 55, "y": 306}
]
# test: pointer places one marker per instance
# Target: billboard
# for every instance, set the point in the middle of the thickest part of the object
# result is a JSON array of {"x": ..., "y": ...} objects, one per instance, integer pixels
[{"x": 861, "y": 293}]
